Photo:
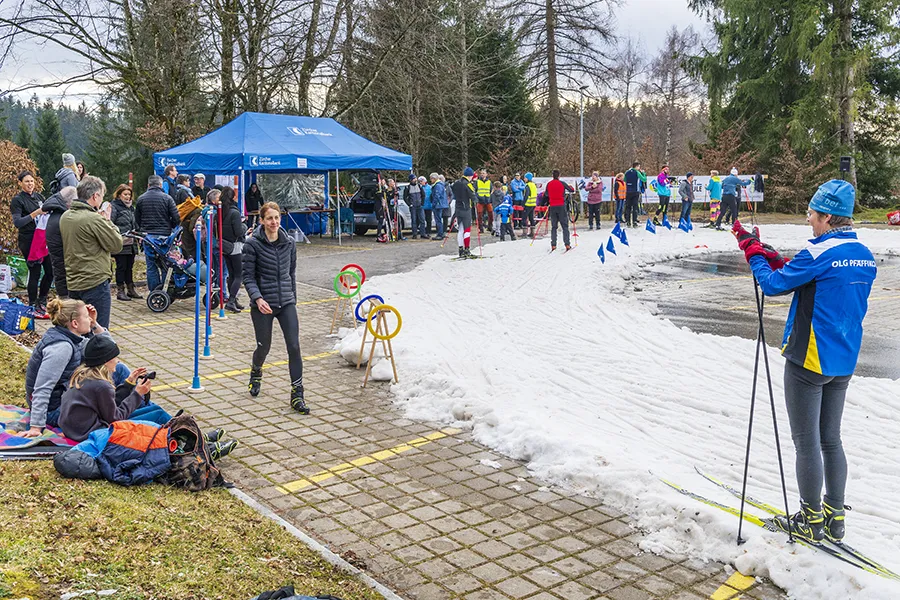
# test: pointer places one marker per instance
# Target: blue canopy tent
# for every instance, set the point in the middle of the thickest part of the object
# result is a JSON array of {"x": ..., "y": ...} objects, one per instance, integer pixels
[{"x": 259, "y": 142}]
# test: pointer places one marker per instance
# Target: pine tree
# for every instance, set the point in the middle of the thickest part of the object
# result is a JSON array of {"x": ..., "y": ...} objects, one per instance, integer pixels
[
  {"x": 104, "y": 154},
  {"x": 24, "y": 138},
  {"x": 49, "y": 145}
]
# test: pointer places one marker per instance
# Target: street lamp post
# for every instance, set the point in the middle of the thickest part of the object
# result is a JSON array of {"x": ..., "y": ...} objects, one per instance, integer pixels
[{"x": 581, "y": 90}]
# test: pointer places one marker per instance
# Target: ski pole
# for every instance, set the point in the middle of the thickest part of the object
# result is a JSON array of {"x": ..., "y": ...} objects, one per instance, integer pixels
[
  {"x": 449, "y": 228},
  {"x": 760, "y": 301},
  {"x": 741, "y": 540},
  {"x": 480, "y": 253}
]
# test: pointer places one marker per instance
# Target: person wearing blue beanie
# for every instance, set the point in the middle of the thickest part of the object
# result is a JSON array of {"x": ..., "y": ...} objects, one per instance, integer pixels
[
  {"x": 831, "y": 279},
  {"x": 469, "y": 172}
]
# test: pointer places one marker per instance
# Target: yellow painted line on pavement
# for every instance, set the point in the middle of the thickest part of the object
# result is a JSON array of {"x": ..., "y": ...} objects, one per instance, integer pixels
[
  {"x": 191, "y": 318},
  {"x": 735, "y": 584},
  {"x": 214, "y": 376},
  {"x": 782, "y": 304},
  {"x": 383, "y": 455}
]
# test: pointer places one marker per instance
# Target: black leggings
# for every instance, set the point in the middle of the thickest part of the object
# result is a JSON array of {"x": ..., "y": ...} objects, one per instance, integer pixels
[
  {"x": 528, "y": 217},
  {"x": 233, "y": 262},
  {"x": 124, "y": 269},
  {"x": 34, "y": 274},
  {"x": 290, "y": 327},
  {"x": 594, "y": 215},
  {"x": 663, "y": 205}
]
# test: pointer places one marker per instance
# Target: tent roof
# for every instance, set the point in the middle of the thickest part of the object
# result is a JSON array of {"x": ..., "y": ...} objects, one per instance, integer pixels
[{"x": 280, "y": 143}]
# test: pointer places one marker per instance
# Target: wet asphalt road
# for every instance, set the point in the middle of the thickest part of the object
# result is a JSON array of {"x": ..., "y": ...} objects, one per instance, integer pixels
[{"x": 712, "y": 293}]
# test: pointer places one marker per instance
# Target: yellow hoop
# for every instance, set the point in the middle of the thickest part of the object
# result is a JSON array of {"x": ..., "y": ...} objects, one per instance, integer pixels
[{"x": 377, "y": 309}]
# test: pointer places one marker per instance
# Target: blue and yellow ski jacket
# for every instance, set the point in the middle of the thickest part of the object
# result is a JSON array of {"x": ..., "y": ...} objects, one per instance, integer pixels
[{"x": 832, "y": 278}]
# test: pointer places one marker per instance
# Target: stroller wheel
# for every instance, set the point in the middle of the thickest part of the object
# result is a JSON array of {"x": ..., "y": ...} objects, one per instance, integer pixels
[
  {"x": 214, "y": 300},
  {"x": 158, "y": 301}
]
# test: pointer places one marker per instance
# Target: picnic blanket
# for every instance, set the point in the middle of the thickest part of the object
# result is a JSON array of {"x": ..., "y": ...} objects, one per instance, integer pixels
[{"x": 14, "y": 447}]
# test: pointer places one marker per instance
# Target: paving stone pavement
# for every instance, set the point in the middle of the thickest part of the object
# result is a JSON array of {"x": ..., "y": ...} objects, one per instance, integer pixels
[{"x": 412, "y": 501}]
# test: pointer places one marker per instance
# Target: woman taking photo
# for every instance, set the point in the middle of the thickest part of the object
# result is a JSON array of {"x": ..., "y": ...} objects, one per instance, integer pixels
[
  {"x": 269, "y": 271},
  {"x": 233, "y": 234},
  {"x": 122, "y": 217},
  {"x": 26, "y": 210}
]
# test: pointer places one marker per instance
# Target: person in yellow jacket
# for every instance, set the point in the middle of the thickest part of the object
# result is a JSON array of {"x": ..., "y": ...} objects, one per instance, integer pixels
[
  {"x": 483, "y": 207},
  {"x": 531, "y": 193}
]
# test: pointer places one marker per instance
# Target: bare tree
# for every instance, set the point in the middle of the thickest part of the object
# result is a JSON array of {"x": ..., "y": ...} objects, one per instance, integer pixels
[
  {"x": 671, "y": 82},
  {"x": 559, "y": 37},
  {"x": 628, "y": 75}
]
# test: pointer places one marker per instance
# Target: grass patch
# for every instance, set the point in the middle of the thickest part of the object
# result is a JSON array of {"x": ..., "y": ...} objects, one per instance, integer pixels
[
  {"x": 59, "y": 535},
  {"x": 12, "y": 375}
]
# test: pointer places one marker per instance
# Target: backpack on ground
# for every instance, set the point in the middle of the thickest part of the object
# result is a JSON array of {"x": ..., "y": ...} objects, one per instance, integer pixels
[{"x": 192, "y": 467}]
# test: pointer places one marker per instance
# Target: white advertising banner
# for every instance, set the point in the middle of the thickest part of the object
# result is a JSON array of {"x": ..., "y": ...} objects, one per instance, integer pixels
[{"x": 650, "y": 197}]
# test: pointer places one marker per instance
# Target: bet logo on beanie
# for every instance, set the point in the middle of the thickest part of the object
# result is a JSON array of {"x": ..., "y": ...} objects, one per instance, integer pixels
[{"x": 835, "y": 197}]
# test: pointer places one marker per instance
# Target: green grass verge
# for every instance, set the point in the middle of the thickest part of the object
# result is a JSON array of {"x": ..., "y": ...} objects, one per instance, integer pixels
[{"x": 59, "y": 535}]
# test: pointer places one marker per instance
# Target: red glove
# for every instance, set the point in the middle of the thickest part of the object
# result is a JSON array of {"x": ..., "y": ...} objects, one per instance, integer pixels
[
  {"x": 748, "y": 242},
  {"x": 774, "y": 257}
]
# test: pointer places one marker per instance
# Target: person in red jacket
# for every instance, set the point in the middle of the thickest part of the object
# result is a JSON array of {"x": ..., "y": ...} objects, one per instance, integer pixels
[{"x": 556, "y": 195}]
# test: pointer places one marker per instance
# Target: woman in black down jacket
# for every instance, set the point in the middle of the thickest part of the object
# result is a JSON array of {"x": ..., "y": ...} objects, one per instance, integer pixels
[
  {"x": 269, "y": 264},
  {"x": 26, "y": 208},
  {"x": 233, "y": 233},
  {"x": 122, "y": 217}
]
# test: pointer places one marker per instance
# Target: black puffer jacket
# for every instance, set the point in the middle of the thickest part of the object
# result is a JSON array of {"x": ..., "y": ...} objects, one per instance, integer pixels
[
  {"x": 155, "y": 212},
  {"x": 269, "y": 270},
  {"x": 56, "y": 207},
  {"x": 122, "y": 217},
  {"x": 233, "y": 230}
]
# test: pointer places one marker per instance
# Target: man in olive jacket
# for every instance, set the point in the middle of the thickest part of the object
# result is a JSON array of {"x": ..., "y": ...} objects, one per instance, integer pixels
[{"x": 89, "y": 237}]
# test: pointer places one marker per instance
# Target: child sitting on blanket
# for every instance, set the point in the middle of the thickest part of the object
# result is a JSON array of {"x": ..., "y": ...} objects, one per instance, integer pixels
[
  {"x": 54, "y": 359},
  {"x": 91, "y": 401}
]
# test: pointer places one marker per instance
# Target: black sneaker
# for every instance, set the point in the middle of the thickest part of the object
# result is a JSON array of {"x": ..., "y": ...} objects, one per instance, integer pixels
[
  {"x": 222, "y": 449},
  {"x": 807, "y": 524},
  {"x": 834, "y": 522},
  {"x": 255, "y": 381},
  {"x": 214, "y": 436},
  {"x": 297, "y": 402}
]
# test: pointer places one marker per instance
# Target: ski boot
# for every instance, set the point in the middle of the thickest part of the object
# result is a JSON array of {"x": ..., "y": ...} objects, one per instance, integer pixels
[
  {"x": 552, "y": 248},
  {"x": 297, "y": 402},
  {"x": 834, "y": 522},
  {"x": 568, "y": 247},
  {"x": 656, "y": 221},
  {"x": 222, "y": 449},
  {"x": 807, "y": 524},
  {"x": 255, "y": 381},
  {"x": 462, "y": 252},
  {"x": 214, "y": 436},
  {"x": 467, "y": 253}
]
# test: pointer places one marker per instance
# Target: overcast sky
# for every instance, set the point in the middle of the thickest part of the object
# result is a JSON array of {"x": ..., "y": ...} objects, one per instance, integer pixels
[{"x": 645, "y": 20}]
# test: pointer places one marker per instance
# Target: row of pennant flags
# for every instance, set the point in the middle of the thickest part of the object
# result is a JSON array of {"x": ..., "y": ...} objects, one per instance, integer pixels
[{"x": 619, "y": 233}]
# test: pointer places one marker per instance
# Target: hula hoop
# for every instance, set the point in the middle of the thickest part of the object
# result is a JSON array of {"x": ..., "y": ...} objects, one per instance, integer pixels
[
  {"x": 362, "y": 274},
  {"x": 338, "y": 283},
  {"x": 377, "y": 309},
  {"x": 358, "y": 304}
]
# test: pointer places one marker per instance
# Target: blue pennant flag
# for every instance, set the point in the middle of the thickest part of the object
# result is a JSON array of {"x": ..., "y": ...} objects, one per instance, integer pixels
[
  {"x": 624, "y": 238},
  {"x": 665, "y": 222},
  {"x": 601, "y": 254},
  {"x": 610, "y": 246},
  {"x": 617, "y": 229},
  {"x": 650, "y": 227},
  {"x": 682, "y": 225},
  {"x": 690, "y": 225}
]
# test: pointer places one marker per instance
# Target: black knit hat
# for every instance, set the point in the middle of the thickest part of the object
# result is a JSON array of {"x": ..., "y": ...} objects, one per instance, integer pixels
[{"x": 99, "y": 350}]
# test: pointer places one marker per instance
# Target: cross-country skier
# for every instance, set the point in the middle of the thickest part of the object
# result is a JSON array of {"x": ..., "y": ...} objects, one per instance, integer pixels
[
  {"x": 465, "y": 200},
  {"x": 831, "y": 279},
  {"x": 556, "y": 194}
]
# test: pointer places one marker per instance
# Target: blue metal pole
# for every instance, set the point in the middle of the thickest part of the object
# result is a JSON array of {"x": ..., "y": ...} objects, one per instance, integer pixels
[
  {"x": 206, "y": 350},
  {"x": 195, "y": 383}
]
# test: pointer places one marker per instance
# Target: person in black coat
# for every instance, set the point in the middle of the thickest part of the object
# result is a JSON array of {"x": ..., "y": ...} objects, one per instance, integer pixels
[
  {"x": 55, "y": 206},
  {"x": 233, "y": 233},
  {"x": 269, "y": 271},
  {"x": 122, "y": 217},
  {"x": 25, "y": 208},
  {"x": 155, "y": 213},
  {"x": 252, "y": 203}
]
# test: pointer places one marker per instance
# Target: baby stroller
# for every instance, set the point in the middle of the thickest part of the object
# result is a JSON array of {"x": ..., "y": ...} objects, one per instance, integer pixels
[{"x": 177, "y": 272}]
